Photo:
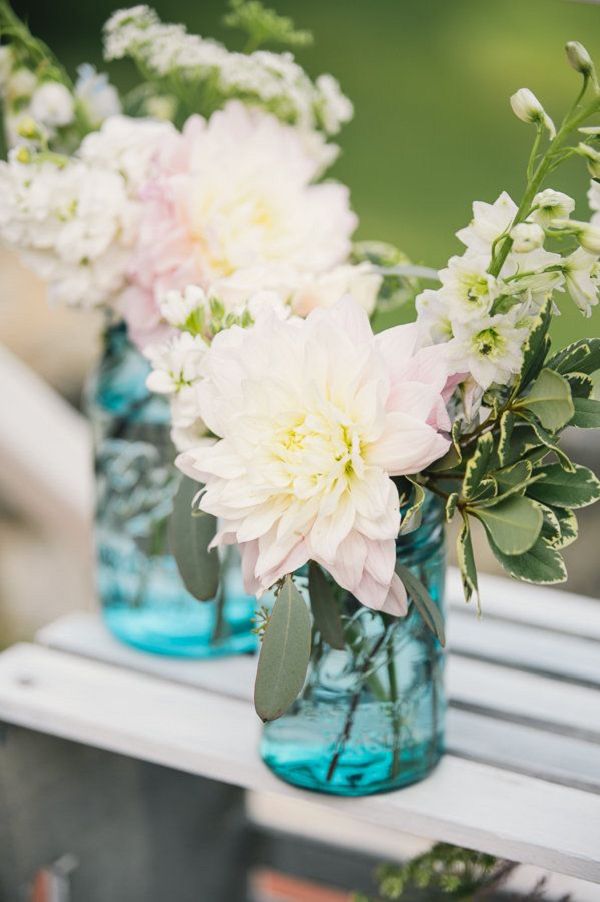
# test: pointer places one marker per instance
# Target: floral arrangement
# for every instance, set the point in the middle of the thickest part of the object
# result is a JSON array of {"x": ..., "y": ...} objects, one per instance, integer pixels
[
  {"x": 114, "y": 201},
  {"x": 195, "y": 209},
  {"x": 323, "y": 440}
]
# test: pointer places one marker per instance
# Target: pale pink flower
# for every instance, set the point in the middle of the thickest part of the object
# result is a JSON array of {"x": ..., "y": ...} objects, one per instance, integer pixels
[
  {"x": 313, "y": 418},
  {"x": 227, "y": 194}
]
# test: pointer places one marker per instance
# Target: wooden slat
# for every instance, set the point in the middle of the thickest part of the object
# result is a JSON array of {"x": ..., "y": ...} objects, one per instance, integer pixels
[
  {"x": 525, "y": 647},
  {"x": 523, "y": 749},
  {"x": 548, "y": 609},
  {"x": 471, "y": 684},
  {"x": 463, "y": 802}
]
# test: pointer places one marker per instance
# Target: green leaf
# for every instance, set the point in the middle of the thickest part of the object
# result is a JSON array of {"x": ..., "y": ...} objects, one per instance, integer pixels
[
  {"x": 455, "y": 435},
  {"x": 562, "y": 489},
  {"x": 325, "y": 608},
  {"x": 488, "y": 490},
  {"x": 449, "y": 461},
  {"x": 523, "y": 441},
  {"x": 587, "y": 413},
  {"x": 582, "y": 386},
  {"x": 511, "y": 481},
  {"x": 190, "y": 535},
  {"x": 477, "y": 465},
  {"x": 507, "y": 423},
  {"x": 582, "y": 356},
  {"x": 466, "y": 561},
  {"x": 551, "y": 529},
  {"x": 451, "y": 503},
  {"x": 549, "y": 441},
  {"x": 550, "y": 400},
  {"x": 412, "y": 518},
  {"x": 284, "y": 654},
  {"x": 541, "y": 565},
  {"x": 514, "y": 476},
  {"x": 423, "y": 602},
  {"x": 513, "y": 525},
  {"x": 536, "y": 347},
  {"x": 569, "y": 529}
]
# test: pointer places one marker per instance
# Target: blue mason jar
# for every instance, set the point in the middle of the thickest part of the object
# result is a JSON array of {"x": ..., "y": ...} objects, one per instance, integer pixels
[
  {"x": 371, "y": 717},
  {"x": 144, "y": 601}
]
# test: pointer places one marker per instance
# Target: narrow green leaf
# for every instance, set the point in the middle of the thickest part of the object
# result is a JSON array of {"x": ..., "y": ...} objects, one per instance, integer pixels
[
  {"x": 507, "y": 424},
  {"x": 562, "y": 489},
  {"x": 550, "y": 400},
  {"x": 587, "y": 413},
  {"x": 284, "y": 654},
  {"x": 477, "y": 465},
  {"x": 423, "y": 602},
  {"x": 466, "y": 561},
  {"x": 325, "y": 608},
  {"x": 582, "y": 386},
  {"x": 541, "y": 565},
  {"x": 536, "y": 347},
  {"x": 455, "y": 434},
  {"x": 451, "y": 505},
  {"x": 513, "y": 525},
  {"x": 190, "y": 535},
  {"x": 582, "y": 356}
]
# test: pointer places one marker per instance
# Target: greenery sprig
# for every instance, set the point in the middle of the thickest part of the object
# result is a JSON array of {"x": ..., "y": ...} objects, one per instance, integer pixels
[
  {"x": 264, "y": 26},
  {"x": 447, "y": 871}
]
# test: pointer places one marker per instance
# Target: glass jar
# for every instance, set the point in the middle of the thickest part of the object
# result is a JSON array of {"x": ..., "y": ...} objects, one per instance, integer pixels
[
  {"x": 371, "y": 717},
  {"x": 144, "y": 601}
]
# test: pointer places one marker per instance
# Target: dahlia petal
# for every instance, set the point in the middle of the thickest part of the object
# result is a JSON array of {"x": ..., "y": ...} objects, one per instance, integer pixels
[
  {"x": 406, "y": 446},
  {"x": 396, "y": 602}
]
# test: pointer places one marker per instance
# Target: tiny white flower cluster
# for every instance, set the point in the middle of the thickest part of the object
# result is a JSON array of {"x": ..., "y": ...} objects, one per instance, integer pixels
[
  {"x": 272, "y": 80},
  {"x": 70, "y": 225},
  {"x": 486, "y": 318},
  {"x": 74, "y": 220},
  {"x": 239, "y": 300},
  {"x": 38, "y": 110}
]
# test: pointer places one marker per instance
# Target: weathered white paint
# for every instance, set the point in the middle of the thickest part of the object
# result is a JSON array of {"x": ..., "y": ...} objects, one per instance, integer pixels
[{"x": 463, "y": 802}]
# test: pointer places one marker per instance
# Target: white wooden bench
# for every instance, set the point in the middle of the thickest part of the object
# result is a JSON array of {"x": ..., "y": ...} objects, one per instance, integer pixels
[{"x": 521, "y": 778}]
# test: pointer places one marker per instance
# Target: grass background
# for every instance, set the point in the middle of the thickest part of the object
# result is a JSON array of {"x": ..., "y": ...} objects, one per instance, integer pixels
[{"x": 430, "y": 80}]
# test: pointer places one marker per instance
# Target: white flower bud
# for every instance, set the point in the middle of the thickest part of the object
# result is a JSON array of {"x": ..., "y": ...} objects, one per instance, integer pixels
[
  {"x": 526, "y": 236},
  {"x": 176, "y": 306},
  {"x": 593, "y": 159},
  {"x": 21, "y": 83},
  {"x": 579, "y": 58},
  {"x": 589, "y": 237},
  {"x": 551, "y": 205},
  {"x": 527, "y": 107},
  {"x": 52, "y": 104}
]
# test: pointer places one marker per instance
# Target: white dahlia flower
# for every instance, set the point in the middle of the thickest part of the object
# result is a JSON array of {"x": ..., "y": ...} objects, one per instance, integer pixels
[{"x": 314, "y": 417}]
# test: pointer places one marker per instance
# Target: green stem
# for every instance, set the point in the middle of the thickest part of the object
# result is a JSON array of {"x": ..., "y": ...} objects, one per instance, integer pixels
[
  {"x": 220, "y": 623},
  {"x": 349, "y": 722},
  {"x": 391, "y": 668},
  {"x": 548, "y": 161}
]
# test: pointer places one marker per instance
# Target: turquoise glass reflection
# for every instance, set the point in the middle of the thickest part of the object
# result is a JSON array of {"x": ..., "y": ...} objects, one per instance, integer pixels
[
  {"x": 371, "y": 717},
  {"x": 143, "y": 599}
]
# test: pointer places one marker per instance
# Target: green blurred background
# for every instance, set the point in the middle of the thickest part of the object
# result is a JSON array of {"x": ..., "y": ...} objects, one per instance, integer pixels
[{"x": 430, "y": 80}]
